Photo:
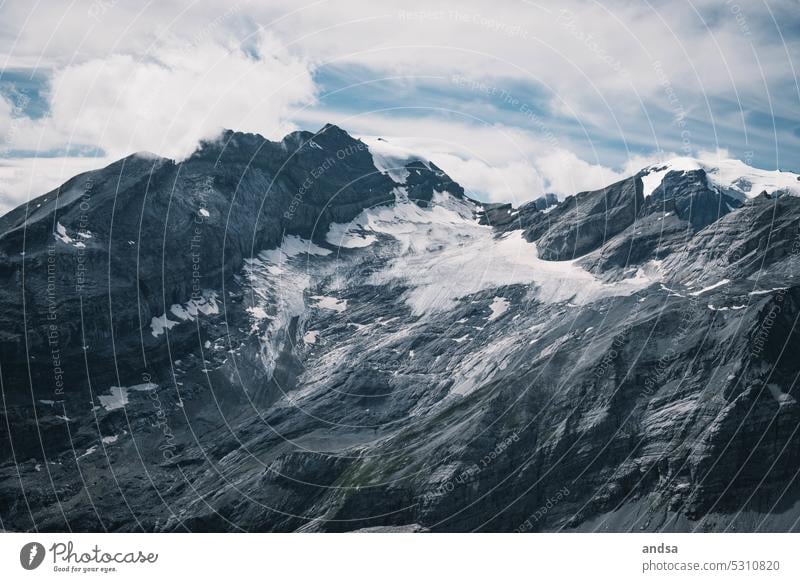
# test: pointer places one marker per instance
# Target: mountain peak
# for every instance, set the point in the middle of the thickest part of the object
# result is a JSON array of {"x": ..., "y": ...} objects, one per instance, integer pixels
[{"x": 732, "y": 177}]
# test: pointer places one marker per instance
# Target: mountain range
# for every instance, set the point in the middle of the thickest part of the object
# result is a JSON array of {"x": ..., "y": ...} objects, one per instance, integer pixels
[{"x": 318, "y": 335}]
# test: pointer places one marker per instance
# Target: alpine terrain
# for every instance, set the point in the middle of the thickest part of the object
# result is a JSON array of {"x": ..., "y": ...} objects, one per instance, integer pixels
[{"x": 325, "y": 334}]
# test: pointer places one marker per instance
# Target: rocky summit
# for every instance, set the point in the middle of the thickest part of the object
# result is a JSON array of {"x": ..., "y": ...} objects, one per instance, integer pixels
[{"x": 318, "y": 334}]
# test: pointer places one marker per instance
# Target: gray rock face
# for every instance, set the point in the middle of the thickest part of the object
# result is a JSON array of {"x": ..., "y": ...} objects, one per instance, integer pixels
[
  {"x": 359, "y": 353},
  {"x": 583, "y": 222}
]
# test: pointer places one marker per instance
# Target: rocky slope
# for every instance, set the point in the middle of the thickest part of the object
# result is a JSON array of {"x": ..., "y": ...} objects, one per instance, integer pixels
[{"x": 312, "y": 335}]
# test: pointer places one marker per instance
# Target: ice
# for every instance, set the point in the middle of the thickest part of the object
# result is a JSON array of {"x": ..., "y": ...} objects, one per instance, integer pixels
[{"x": 443, "y": 255}]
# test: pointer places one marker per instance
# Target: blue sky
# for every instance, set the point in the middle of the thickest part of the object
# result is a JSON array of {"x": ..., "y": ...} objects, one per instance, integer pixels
[{"x": 512, "y": 98}]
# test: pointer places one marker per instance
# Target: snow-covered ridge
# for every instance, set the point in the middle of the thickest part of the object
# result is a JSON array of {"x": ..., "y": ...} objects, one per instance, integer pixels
[
  {"x": 391, "y": 159},
  {"x": 732, "y": 177}
]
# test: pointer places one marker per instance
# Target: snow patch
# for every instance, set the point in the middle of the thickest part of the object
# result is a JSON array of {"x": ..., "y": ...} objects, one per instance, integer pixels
[
  {"x": 391, "y": 159},
  {"x": 257, "y": 312},
  {"x": 499, "y": 306},
  {"x": 161, "y": 323},
  {"x": 61, "y": 234},
  {"x": 710, "y": 287},
  {"x": 89, "y": 451},
  {"x": 766, "y": 291},
  {"x": 278, "y": 279},
  {"x": 206, "y": 304},
  {"x": 331, "y": 303},
  {"x": 342, "y": 235},
  {"x": 117, "y": 396}
]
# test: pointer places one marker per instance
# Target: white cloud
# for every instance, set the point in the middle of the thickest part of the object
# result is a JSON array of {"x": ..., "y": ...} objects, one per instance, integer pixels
[
  {"x": 567, "y": 174},
  {"x": 515, "y": 181},
  {"x": 168, "y": 102},
  {"x": 24, "y": 178},
  {"x": 162, "y": 75},
  {"x": 496, "y": 162}
]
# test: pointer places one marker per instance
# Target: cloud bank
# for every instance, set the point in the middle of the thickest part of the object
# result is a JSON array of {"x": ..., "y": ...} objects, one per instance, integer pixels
[{"x": 512, "y": 99}]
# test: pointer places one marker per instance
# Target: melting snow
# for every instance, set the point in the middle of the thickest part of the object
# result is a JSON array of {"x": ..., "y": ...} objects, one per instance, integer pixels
[
  {"x": 159, "y": 324},
  {"x": 766, "y": 291},
  {"x": 341, "y": 235},
  {"x": 291, "y": 246},
  {"x": 325, "y": 302},
  {"x": 499, "y": 306},
  {"x": 444, "y": 255},
  {"x": 61, "y": 234},
  {"x": 278, "y": 279},
  {"x": 205, "y": 304},
  {"x": 310, "y": 337},
  {"x": 89, "y": 451},
  {"x": 118, "y": 395},
  {"x": 710, "y": 287},
  {"x": 257, "y": 312}
]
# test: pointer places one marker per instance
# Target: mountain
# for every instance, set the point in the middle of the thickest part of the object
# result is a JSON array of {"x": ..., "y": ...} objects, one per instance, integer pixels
[{"x": 326, "y": 334}]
